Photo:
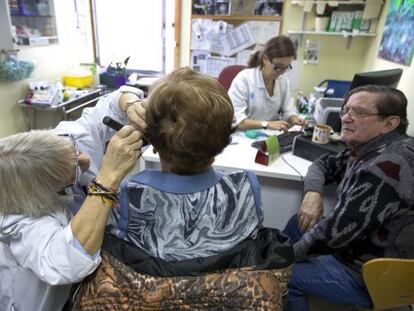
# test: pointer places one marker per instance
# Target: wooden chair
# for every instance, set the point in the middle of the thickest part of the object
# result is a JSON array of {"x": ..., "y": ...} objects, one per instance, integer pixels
[
  {"x": 390, "y": 282},
  {"x": 227, "y": 75}
]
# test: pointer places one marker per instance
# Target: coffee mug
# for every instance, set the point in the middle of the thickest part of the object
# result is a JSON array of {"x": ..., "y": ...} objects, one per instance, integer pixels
[{"x": 321, "y": 134}]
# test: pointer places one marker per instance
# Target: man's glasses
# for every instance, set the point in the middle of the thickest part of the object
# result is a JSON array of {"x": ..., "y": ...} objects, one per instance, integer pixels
[
  {"x": 281, "y": 68},
  {"x": 76, "y": 153},
  {"x": 357, "y": 113}
]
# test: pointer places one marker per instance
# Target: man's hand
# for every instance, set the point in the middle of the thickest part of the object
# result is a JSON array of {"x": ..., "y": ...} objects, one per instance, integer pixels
[
  {"x": 136, "y": 115},
  {"x": 310, "y": 210}
]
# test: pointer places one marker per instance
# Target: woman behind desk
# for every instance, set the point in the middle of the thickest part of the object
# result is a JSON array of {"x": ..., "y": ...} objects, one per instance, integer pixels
[{"x": 261, "y": 93}]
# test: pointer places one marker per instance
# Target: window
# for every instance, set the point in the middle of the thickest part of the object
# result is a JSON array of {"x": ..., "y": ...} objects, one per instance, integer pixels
[{"x": 135, "y": 28}]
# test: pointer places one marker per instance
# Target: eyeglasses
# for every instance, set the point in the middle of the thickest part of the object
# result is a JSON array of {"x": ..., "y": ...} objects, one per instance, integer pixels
[
  {"x": 76, "y": 153},
  {"x": 281, "y": 68},
  {"x": 357, "y": 113}
]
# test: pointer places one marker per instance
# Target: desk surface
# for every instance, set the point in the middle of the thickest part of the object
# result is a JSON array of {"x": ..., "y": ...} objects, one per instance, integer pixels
[{"x": 240, "y": 155}]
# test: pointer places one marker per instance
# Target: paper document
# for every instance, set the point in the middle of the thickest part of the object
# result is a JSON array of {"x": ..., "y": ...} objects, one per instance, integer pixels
[
  {"x": 215, "y": 64},
  {"x": 198, "y": 60},
  {"x": 237, "y": 40},
  {"x": 262, "y": 30}
]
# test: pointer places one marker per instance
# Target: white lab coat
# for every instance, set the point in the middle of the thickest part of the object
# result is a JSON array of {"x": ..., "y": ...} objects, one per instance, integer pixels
[
  {"x": 39, "y": 259},
  {"x": 251, "y": 100}
]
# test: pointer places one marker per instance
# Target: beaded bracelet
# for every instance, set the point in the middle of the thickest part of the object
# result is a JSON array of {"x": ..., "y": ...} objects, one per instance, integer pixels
[
  {"x": 99, "y": 184},
  {"x": 108, "y": 196}
]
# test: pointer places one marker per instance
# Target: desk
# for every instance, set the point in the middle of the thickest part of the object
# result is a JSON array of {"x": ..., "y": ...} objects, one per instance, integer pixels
[
  {"x": 280, "y": 184},
  {"x": 65, "y": 109}
]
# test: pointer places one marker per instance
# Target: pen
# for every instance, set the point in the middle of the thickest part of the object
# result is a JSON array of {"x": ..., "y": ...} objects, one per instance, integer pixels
[{"x": 115, "y": 125}]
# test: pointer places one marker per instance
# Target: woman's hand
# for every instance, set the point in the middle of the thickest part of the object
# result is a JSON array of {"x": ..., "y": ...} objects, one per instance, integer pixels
[
  {"x": 310, "y": 210},
  {"x": 278, "y": 125},
  {"x": 295, "y": 120},
  {"x": 121, "y": 155},
  {"x": 136, "y": 115}
]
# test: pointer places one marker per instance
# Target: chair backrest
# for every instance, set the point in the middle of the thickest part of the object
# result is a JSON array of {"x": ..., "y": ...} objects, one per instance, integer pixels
[
  {"x": 227, "y": 75},
  {"x": 390, "y": 282}
]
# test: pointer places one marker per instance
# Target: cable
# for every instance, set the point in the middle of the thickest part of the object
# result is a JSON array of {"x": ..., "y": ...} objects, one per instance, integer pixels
[{"x": 300, "y": 175}]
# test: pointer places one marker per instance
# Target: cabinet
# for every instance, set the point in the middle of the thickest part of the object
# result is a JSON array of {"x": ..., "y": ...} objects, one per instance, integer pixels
[
  {"x": 349, "y": 19},
  {"x": 27, "y": 22},
  {"x": 224, "y": 33}
]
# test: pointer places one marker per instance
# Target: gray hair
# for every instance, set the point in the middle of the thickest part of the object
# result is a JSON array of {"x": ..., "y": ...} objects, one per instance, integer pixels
[{"x": 34, "y": 167}]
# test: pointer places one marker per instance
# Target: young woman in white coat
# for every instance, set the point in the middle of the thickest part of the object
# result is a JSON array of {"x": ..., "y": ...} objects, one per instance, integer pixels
[{"x": 261, "y": 93}]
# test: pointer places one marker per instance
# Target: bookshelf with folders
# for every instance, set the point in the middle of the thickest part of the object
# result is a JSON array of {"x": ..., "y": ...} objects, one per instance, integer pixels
[
  {"x": 349, "y": 18},
  {"x": 227, "y": 32}
]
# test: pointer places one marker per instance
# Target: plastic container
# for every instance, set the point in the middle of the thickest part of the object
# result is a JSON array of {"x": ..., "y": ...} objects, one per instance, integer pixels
[{"x": 78, "y": 77}]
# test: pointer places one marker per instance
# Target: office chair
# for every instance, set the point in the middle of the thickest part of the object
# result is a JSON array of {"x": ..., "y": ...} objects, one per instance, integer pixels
[
  {"x": 390, "y": 282},
  {"x": 227, "y": 75}
]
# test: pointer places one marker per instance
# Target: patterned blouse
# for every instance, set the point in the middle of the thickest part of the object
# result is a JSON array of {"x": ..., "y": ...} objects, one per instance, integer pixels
[{"x": 176, "y": 217}]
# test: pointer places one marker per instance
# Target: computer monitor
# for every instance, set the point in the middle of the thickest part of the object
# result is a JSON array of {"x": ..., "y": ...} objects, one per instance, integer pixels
[{"x": 383, "y": 77}]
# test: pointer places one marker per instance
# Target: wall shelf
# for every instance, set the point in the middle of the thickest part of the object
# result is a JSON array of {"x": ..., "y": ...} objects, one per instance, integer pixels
[
  {"x": 240, "y": 18},
  {"x": 330, "y": 3},
  {"x": 344, "y": 34}
]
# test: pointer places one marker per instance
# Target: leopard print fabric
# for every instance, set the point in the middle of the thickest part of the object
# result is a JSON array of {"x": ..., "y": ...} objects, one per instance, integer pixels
[{"x": 115, "y": 286}]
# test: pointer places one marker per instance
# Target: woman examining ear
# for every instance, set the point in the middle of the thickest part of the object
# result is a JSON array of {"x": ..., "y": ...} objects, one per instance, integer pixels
[{"x": 261, "y": 93}]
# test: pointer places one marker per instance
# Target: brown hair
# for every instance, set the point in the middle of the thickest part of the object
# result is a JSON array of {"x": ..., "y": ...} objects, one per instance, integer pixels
[
  {"x": 390, "y": 102},
  {"x": 189, "y": 120},
  {"x": 280, "y": 46}
]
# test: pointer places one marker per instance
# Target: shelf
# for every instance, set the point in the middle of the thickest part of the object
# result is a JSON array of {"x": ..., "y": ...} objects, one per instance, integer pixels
[
  {"x": 37, "y": 41},
  {"x": 344, "y": 34},
  {"x": 239, "y": 17},
  {"x": 22, "y": 15},
  {"x": 330, "y": 3}
]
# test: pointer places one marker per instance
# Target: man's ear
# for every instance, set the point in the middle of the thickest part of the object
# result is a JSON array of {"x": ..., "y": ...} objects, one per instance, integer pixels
[{"x": 390, "y": 124}]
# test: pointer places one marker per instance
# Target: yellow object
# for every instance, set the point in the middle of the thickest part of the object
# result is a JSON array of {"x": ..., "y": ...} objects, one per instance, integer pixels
[
  {"x": 78, "y": 77},
  {"x": 81, "y": 82},
  {"x": 390, "y": 282}
]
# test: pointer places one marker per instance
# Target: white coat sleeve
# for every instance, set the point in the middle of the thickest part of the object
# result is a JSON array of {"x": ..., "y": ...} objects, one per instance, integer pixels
[
  {"x": 239, "y": 95},
  {"x": 45, "y": 246},
  {"x": 90, "y": 133},
  {"x": 289, "y": 108}
]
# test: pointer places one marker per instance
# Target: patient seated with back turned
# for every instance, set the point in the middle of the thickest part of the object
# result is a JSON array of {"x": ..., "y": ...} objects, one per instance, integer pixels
[
  {"x": 188, "y": 236},
  {"x": 187, "y": 209}
]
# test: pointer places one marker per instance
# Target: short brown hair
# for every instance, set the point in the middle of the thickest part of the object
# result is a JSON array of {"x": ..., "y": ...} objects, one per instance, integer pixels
[{"x": 189, "y": 120}]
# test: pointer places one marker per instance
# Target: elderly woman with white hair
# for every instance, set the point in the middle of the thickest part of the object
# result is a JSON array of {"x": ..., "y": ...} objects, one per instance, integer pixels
[{"x": 51, "y": 231}]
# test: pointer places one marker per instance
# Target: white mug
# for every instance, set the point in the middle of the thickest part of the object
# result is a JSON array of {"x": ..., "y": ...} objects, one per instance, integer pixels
[{"x": 321, "y": 133}]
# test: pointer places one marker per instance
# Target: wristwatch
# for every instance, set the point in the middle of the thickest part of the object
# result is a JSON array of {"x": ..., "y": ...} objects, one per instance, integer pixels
[{"x": 264, "y": 124}]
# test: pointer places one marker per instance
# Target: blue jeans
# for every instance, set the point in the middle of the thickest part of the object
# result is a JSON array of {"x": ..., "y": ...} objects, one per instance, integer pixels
[{"x": 324, "y": 277}]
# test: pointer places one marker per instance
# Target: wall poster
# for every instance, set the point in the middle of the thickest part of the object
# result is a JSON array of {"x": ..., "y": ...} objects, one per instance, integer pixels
[{"x": 397, "y": 43}]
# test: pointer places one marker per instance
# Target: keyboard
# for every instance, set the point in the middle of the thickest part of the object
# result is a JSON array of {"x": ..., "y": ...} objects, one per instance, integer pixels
[{"x": 285, "y": 141}]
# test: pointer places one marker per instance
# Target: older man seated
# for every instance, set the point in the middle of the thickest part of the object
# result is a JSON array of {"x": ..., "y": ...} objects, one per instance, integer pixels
[{"x": 374, "y": 213}]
